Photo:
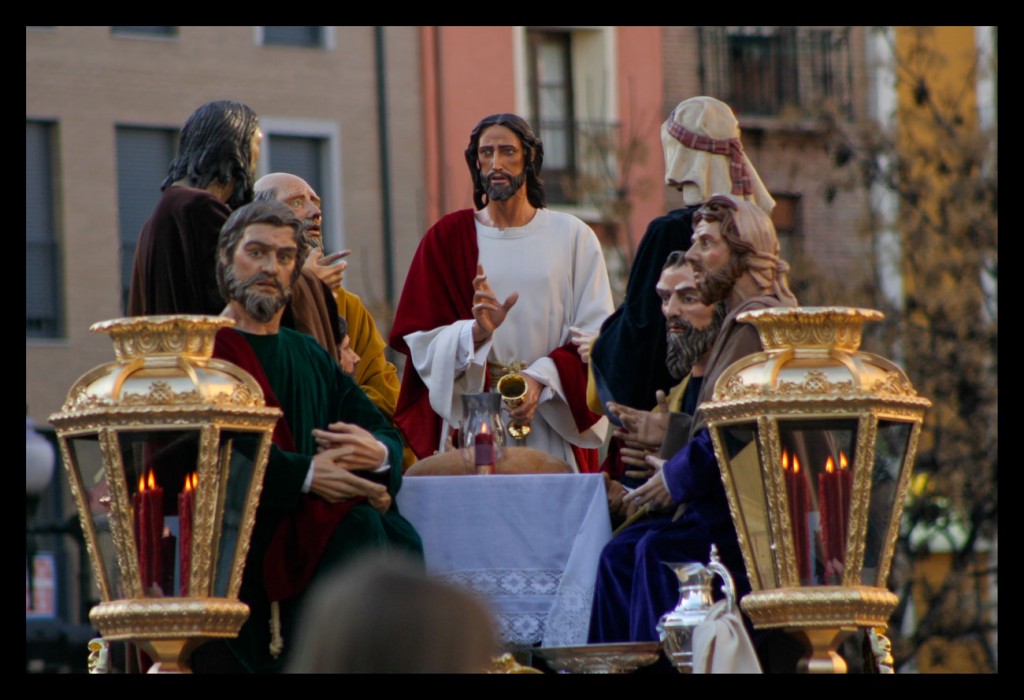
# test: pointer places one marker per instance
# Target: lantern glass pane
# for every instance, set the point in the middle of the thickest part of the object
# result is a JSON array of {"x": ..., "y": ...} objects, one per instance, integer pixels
[
  {"x": 239, "y": 452},
  {"x": 890, "y": 452},
  {"x": 817, "y": 465},
  {"x": 90, "y": 476},
  {"x": 156, "y": 465},
  {"x": 743, "y": 463}
]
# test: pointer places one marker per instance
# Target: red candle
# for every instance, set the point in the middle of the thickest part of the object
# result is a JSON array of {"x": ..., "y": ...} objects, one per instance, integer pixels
[
  {"x": 483, "y": 449},
  {"x": 823, "y": 520},
  {"x": 141, "y": 518},
  {"x": 799, "y": 506},
  {"x": 155, "y": 509},
  {"x": 803, "y": 507},
  {"x": 846, "y": 493},
  {"x": 186, "y": 506},
  {"x": 834, "y": 521}
]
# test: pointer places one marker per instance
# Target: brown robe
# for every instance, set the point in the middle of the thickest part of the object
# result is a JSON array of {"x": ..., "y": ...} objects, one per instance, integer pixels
[{"x": 175, "y": 260}]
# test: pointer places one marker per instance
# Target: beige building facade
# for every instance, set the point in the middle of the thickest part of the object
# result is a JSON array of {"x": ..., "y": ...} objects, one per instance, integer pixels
[{"x": 92, "y": 92}]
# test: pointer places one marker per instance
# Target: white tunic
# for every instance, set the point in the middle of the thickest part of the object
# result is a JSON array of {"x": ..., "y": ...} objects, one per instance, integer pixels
[{"x": 556, "y": 264}]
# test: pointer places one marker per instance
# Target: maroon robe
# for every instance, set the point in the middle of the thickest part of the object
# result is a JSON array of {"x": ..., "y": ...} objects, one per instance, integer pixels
[{"x": 175, "y": 268}]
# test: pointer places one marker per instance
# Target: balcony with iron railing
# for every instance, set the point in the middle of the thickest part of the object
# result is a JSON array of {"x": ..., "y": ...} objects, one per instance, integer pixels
[{"x": 778, "y": 72}]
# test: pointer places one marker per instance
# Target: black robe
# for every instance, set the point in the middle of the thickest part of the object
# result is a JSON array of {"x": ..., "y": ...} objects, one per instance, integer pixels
[{"x": 638, "y": 324}]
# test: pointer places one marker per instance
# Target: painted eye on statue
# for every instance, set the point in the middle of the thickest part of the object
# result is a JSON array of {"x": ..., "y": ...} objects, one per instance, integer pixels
[{"x": 295, "y": 202}]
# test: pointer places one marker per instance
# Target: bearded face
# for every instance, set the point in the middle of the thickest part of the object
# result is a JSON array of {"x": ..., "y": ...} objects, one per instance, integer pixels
[
  {"x": 715, "y": 285},
  {"x": 262, "y": 295},
  {"x": 687, "y": 344},
  {"x": 499, "y": 192}
]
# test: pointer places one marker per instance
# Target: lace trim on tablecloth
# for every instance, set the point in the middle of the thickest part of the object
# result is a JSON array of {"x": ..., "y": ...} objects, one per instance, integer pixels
[
  {"x": 512, "y": 582},
  {"x": 568, "y": 621},
  {"x": 532, "y": 591}
]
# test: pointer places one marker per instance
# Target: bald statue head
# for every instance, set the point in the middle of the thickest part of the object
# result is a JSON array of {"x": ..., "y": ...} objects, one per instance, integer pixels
[{"x": 297, "y": 194}]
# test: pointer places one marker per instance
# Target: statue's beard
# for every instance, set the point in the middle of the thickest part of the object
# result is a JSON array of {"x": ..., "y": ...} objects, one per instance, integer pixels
[
  {"x": 260, "y": 305},
  {"x": 500, "y": 193},
  {"x": 687, "y": 348},
  {"x": 314, "y": 240},
  {"x": 715, "y": 286}
]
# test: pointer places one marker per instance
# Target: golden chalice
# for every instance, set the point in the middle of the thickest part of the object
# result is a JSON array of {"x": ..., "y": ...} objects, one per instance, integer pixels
[{"x": 512, "y": 388}]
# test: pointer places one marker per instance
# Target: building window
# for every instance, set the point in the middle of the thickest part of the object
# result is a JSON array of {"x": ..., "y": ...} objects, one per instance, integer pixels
[
  {"x": 787, "y": 219},
  {"x": 549, "y": 57},
  {"x": 313, "y": 37},
  {"x": 566, "y": 83},
  {"x": 143, "y": 157},
  {"x": 309, "y": 149},
  {"x": 43, "y": 278},
  {"x": 763, "y": 71},
  {"x": 146, "y": 31}
]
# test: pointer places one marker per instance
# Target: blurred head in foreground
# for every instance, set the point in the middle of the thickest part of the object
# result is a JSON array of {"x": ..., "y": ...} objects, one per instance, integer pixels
[{"x": 383, "y": 614}]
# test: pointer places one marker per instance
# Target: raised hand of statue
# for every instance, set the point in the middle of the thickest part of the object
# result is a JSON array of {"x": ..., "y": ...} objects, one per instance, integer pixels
[
  {"x": 329, "y": 268},
  {"x": 582, "y": 340},
  {"x": 488, "y": 312},
  {"x": 350, "y": 446},
  {"x": 334, "y": 483},
  {"x": 644, "y": 428}
]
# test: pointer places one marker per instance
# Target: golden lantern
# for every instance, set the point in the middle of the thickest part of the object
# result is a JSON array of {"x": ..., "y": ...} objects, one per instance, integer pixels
[
  {"x": 816, "y": 441},
  {"x": 165, "y": 450}
]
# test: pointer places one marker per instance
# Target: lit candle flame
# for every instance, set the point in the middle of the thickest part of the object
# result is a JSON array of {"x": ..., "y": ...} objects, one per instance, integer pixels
[
  {"x": 842, "y": 460},
  {"x": 195, "y": 480},
  {"x": 785, "y": 461},
  {"x": 796, "y": 464},
  {"x": 142, "y": 484},
  {"x": 167, "y": 531},
  {"x": 830, "y": 465},
  {"x": 484, "y": 429},
  {"x": 152, "y": 480}
]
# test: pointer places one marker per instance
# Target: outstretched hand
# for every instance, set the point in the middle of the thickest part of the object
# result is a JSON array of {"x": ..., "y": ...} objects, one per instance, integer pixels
[
  {"x": 327, "y": 267},
  {"x": 488, "y": 313},
  {"x": 645, "y": 428}
]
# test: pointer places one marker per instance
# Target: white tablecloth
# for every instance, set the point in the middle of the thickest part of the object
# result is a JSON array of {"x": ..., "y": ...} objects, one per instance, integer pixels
[{"x": 529, "y": 544}]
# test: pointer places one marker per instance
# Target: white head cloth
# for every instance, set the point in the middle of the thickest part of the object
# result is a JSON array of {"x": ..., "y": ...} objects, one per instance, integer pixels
[{"x": 711, "y": 166}]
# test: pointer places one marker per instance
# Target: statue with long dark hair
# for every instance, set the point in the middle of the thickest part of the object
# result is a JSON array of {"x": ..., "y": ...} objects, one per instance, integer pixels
[
  {"x": 456, "y": 320},
  {"x": 533, "y": 150},
  {"x": 212, "y": 174}
]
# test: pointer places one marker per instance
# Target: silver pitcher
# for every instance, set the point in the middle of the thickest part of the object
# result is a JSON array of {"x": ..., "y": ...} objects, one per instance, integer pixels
[{"x": 675, "y": 628}]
